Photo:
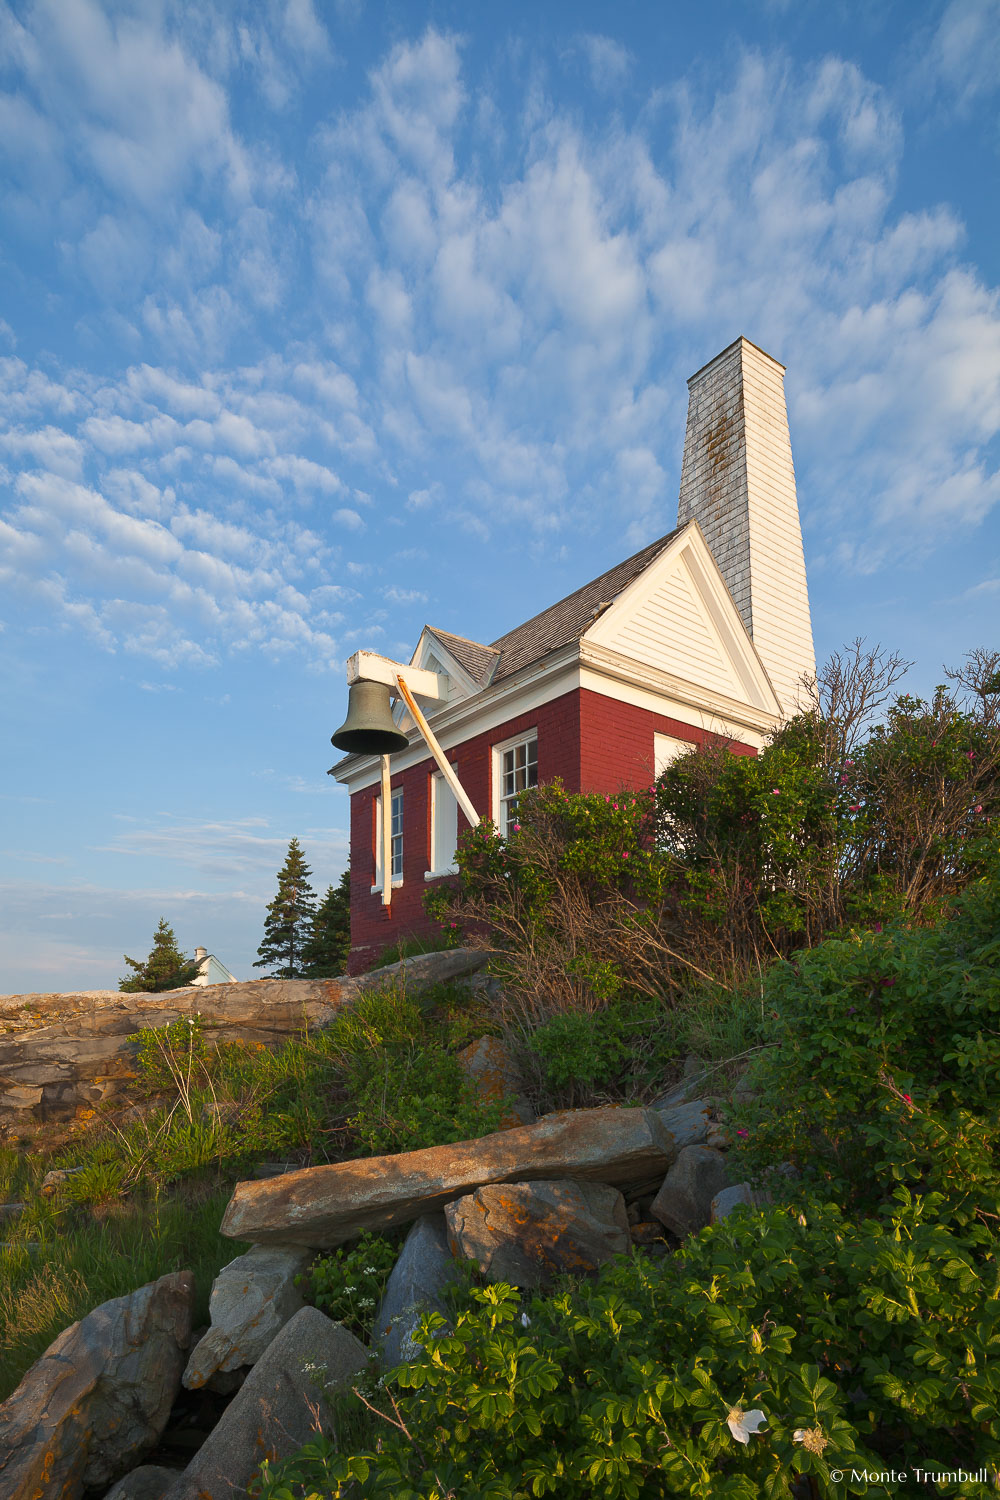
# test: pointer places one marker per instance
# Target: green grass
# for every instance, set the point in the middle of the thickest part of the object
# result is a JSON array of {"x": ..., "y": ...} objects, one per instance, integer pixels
[
  {"x": 146, "y": 1195},
  {"x": 57, "y": 1266}
]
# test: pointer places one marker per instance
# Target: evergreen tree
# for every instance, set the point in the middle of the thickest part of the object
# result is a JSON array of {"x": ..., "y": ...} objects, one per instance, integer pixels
[
  {"x": 326, "y": 950},
  {"x": 289, "y": 918},
  {"x": 166, "y": 968}
]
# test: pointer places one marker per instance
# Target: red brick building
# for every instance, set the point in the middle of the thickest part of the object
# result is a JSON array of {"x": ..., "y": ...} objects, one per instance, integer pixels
[{"x": 704, "y": 632}]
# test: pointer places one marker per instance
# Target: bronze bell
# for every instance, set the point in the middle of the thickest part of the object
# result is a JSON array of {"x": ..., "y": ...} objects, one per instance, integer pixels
[{"x": 368, "y": 728}]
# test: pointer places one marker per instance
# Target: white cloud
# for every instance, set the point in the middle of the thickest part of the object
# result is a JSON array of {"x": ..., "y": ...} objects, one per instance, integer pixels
[
  {"x": 396, "y": 595},
  {"x": 609, "y": 62},
  {"x": 963, "y": 56},
  {"x": 349, "y": 518}
]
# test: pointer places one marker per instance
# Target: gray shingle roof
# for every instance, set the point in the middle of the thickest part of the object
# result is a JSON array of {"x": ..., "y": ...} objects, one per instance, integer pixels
[
  {"x": 571, "y": 617},
  {"x": 478, "y": 660}
]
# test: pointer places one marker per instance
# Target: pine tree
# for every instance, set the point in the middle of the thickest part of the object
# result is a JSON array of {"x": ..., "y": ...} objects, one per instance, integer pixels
[
  {"x": 166, "y": 968},
  {"x": 289, "y": 918},
  {"x": 326, "y": 950}
]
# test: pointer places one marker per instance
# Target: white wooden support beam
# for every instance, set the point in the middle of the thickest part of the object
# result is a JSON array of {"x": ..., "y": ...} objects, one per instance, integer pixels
[
  {"x": 368, "y": 666},
  {"x": 446, "y": 770},
  {"x": 386, "y": 833}
]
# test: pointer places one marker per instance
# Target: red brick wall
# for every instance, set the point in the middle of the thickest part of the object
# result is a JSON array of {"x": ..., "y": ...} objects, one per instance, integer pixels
[
  {"x": 593, "y": 743},
  {"x": 372, "y": 926},
  {"x": 617, "y": 742}
]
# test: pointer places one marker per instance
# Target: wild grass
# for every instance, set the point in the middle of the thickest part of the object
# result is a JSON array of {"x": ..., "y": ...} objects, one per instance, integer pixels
[
  {"x": 145, "y": 1186},
  {"x": 56, "y": 1265}
]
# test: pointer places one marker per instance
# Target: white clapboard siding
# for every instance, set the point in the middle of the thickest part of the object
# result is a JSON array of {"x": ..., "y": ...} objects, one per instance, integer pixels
[{"x": 738, "y": 483}]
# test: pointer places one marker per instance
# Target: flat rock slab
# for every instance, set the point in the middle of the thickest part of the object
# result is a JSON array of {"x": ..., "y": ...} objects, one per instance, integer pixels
[
  {"x": 527, "y": 1233},
  {"x": 100, "y": 1395},
  {"x": 424, "y": 1270},
  {"x": 323, "y": 1206},
  {"x": 684, "y": 1202},
  {"x": 275, "y": 1411},
  {"x": 253, "y": 1297}
]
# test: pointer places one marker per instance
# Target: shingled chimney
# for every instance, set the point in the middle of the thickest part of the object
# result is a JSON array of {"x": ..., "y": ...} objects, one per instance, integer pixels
[{"x": 738, "y": 483}]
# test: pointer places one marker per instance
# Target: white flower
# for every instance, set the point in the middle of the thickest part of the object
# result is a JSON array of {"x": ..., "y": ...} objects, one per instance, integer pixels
[
  {"x": 811, "y": 1438},
  {"x": 525, "y": 1321},
  {"x": 742, "y": 1423}
]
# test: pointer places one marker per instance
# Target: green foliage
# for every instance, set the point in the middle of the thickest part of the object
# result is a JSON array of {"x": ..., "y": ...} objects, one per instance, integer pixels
[
  {"x": 865, "y": 1345},
  {"x": 348, "y": 1284},
  {"x": 165, "y": 1054},
  {"x": 289, "y": 919},
  {"x": 166, "y": 968},
  {"x": 619, "y": 1052},
  {"x": 773, "y": 851},
  {"x": 572, "y": 901},
  {"x": 328, "y": 946},
  {"x": 407, "y": 1090},
  {"x": 887, "y": 1061}
]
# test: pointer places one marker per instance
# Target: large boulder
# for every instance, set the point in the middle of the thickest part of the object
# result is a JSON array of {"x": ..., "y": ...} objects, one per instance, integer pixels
[
  {"x": 252, "y": 1299},
  {"x": 148, "y": 1482},
  {"x": 99, "y": 1397},
  {"x": 276, "y": 1410},
  {"x": 526, "y": 1233},
  {"x": 424, "y": 1270},
  {"x": 489, "y": 1065},
  {"x": 740, "y": 1195},
  {"x": 687, "y": 1124},
  {"x": 684, "y": 1202},
  {"x": 323, "y": 1206}
]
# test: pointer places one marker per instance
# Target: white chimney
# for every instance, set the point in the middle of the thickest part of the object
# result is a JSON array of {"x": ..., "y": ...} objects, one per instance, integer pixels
[
  {"x": 199, "y": 954},
  {"x": 738, "y": 483}
]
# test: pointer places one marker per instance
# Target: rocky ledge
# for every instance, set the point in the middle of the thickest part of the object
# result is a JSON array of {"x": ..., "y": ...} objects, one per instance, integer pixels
[
  {"x": 562, "y": 1194},
  {"x": 61, "y": 1052}
]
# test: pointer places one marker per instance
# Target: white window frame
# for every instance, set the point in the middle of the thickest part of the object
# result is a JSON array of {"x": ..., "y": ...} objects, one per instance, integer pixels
[
  {"x": 439, "y": 787},
  {"x": 667, "y": 748},
  {"x": 526, "y": 737},
  {"x": 397, "y": 880}
]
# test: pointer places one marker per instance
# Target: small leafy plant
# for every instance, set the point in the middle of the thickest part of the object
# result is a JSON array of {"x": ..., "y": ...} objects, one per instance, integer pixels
[{"x": 349, "y": 1283}]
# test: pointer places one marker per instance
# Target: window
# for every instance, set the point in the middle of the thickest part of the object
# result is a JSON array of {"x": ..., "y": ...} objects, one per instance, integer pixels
[
  {"x": 444, "y": 826},
  {"x": 515, "y": 767},
  {"x": 666, "y": 749},
  {"x": 396, "y": 833}
]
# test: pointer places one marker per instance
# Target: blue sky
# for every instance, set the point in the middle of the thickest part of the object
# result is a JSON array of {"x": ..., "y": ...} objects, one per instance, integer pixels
[{"x": 323, "y": 320}]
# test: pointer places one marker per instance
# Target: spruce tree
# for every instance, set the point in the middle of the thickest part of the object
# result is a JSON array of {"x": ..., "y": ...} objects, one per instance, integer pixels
[
  {"x": 289, "y": 918},
  {"x": 166, "y": 968},
  {"x": 326, "y": 950}
]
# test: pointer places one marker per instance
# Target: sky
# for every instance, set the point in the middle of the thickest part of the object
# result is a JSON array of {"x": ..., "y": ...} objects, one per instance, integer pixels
[{"x": 322, "y": 319}]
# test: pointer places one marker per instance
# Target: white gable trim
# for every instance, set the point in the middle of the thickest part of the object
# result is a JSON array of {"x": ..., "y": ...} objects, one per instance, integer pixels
[
  {"x": 462, "y": 685},
  {"x": 717, "y": 622},
  {"x": 579, "y": 665}
]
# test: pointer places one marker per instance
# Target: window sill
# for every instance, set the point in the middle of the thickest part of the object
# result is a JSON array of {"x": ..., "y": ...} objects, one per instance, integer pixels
[
  {"x": 376, "y": 890},
  {"x": 440, "y": 874}
]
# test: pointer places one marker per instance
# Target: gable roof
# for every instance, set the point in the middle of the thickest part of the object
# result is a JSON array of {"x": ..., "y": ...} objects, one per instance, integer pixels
[
  {"x": 478, "y": 660},
  {"x": 571, "y": 617}
]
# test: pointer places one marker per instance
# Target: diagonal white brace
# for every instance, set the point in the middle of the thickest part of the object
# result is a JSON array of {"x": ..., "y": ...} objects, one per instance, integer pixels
[{"x": 446, "y": 770}]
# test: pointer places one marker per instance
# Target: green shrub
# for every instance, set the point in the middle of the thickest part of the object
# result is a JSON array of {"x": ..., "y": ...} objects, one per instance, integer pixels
[
  {"x": 620, "y": 1052},
  {"x": 887, "y": 1063},
  {"x": 866, "y": 1345},
  {"x": 348, "y": 1284}
]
